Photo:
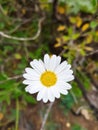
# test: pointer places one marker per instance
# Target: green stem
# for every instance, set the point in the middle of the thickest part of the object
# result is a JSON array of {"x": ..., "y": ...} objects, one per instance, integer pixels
[{"x": 17, "y": 114}]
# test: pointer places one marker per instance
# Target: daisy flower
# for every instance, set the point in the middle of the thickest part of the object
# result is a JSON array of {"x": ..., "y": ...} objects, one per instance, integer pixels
[{"x": 49, "y": 78}]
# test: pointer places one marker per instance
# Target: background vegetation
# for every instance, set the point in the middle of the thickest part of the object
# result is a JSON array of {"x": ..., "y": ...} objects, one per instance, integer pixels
[{"x": 28, "y": 30}]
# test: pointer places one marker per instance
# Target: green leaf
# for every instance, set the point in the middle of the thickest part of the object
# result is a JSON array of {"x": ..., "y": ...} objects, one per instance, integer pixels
[
  {"x": 70, "y": 31},
  {"x": 29, "y": 99},
  {"x": 7, "y": 85},
  {"x": 17, "y": 93},
  {"x": 75, "y": 6},
  {"x": 66, "y": 38},
  {"x": 93, "y": 24},
  {"x": 94, "y": 2},
  {"x": 3, "y": 76},
  {"x": 67, "y": 101},
  {"x": 5, "y": 98},
  {"x": 76, "y": 90},
  {"x": 2, "y": 25},
  {"x": 75, "y": 36},
  {"x": 82, "y": 52},
  {"x": 77, "y": 127},
  {"x": 84, "y": 79}
]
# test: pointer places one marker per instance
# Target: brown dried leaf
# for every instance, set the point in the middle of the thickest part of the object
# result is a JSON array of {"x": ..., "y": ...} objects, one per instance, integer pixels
[{"x": 85, "y": 113}]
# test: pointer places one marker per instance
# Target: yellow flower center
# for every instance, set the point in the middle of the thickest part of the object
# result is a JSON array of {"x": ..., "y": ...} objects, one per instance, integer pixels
[{"x": 48, "y": 78}]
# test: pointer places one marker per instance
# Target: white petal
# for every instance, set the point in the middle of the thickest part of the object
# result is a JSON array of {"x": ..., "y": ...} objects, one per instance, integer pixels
[
  {"x": 52, "y": 63},
  {"x": 45, "y": 97},
  {"x": 63, "y": 84},
  {"x": 42, "y": 64},
  {"x": 27, "y": 89},
  {"x": 63, "y": 91},
  {"x": 31, "y": 72},
  {"x": 62, "y": 88},
  {"x": 50, "y": 95},
  {"x": 58, "y": 60},
  {"x": 37, "y": 66},
  {"x": 65, "y": 72},
  {"x": 29, "y": 77},
  {"x": 61, "y": 67},
  {"x": 55, "y": 92},
  {"x": 69, "y": 78},
  {"x": 33, "y": 88},
  {"x": 66, "y": 78},
  {"x": 64, "y": 75},
  {"x": 68, "y": 86},
  {"x": 46, "y": 60},
  {"x": 41, "y": 94},
  {"x": 27, "y": 82}
]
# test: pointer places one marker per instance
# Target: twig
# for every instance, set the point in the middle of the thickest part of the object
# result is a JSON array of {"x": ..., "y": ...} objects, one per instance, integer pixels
[
  {"x": 74, "y": 97},
  {"x": 46, "y": 115},
  {"x": 92, "y": 53},
  {"x": 54, "y": 10},
  {"x": 17, "y": 115},
  {"x": 25, "y": 39},
  {"x": 78, "y": 111},
  {"x": 2, "y": 10},
  {"x": 5, "y": 17},
  {"x": 26, "y": 51},
  {"x": 83, "y": 90},
  {"x": 42, "y": 2},
  {"x": 19, "y": 25},
  {"x": 11, "y": 78}
]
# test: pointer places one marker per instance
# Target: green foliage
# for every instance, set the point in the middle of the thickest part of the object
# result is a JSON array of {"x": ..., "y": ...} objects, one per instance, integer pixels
[
  {"x": 52, "y": 126},
  {"x": 93, "y": 24},
  {"x": 2, "y": 25},
  {"x": 10, "y": 89},
  {"x": 77, "y": 127},
  {"x": 3, "y": 76},
  {"x": 84, "y": 79},
  {"x": 29, "y": 99},
  {"x": 67, "y": 102},
  {"x": 89, "y": 6},
  {"x": 76, "y": 41},
  {"x": 76, "y": 90}
]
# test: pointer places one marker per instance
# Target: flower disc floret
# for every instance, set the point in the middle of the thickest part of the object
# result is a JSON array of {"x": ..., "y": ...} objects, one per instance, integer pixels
[{"x": 48, "y": 78}]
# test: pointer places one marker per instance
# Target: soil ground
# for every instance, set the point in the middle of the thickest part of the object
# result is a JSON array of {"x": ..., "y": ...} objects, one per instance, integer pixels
[{"x": 32, "y": 118}]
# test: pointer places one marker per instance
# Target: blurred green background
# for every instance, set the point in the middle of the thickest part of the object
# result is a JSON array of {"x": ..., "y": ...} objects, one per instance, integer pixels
[{"x": 28, "y": 30}]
